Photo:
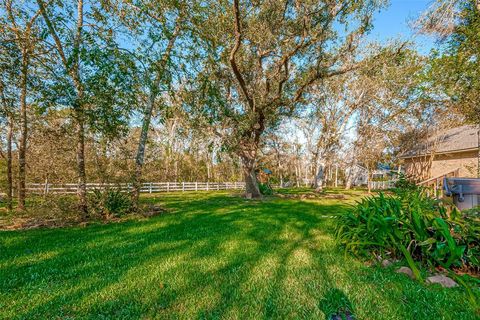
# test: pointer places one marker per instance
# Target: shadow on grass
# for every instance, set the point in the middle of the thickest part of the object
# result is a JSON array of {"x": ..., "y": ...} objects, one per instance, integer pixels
[
  {"x": 336, "y": 305},
  {"x": 214, "y": 256}
]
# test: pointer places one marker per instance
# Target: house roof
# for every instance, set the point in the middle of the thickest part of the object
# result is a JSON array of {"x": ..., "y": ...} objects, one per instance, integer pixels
[{"x": 464, "y": 138}]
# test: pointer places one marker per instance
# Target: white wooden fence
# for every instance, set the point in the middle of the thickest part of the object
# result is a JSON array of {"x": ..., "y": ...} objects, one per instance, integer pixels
[
  {"x": 382, "y": 185},
  {"x": 147, "y": 187}
]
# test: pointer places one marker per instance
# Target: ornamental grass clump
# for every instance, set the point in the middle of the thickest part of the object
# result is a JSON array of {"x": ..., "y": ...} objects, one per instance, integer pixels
[
  {"x": 408, "y": 224},
  {"x": 110, "y": 202}
]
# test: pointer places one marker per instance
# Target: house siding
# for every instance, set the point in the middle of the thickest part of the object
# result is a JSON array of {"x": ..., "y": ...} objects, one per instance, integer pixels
[{"x": 420, "y": 168}]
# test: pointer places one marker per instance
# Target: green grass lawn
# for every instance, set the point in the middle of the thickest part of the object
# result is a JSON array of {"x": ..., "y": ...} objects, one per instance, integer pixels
[{"x": 212, "y": 256}]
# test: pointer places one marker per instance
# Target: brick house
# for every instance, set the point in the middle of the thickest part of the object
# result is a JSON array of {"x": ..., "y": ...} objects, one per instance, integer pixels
[{"x": 445, "y": 152}]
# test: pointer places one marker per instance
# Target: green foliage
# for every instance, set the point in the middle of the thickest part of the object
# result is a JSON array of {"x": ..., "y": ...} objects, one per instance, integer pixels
[
  {"x": 414, "y": 226},
  {"x": 110, "y": 203},
  {"x": 403, "y": 184},
  {"x": 265, "y": 189},
  {"x": 455, "y": 71}
]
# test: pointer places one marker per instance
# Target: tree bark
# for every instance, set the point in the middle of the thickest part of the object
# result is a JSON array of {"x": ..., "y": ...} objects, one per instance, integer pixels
[
  {"x": 22, "y": 146},
  {"x": 348, "y": 183},
  {"x": 72, "y": 68},
  {"x": 140, "y": 157},
  {"x": 369, "y": 179},
  {"x": 9, "y": 164},
  {"x": 319, "y": 178},
  {"x": 351, "y": 175},
  {"x": 154, "y": 90},
  {"x": 80, "y": 117},
  {"x": 251, "y": 183},
  {"x": 82, "y": 176}
]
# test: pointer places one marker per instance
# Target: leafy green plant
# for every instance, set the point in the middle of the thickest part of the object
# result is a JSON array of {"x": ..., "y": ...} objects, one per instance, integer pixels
[
  {"x": 110, "y": 202},
  {"x": 265, "y": 189},
  {"x": 404, "y": 186},
  {"x": 411, "y": 225}
]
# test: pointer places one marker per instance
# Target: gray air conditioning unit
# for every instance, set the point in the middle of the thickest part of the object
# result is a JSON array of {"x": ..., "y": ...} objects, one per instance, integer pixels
[{"x": 465, "y": 192}]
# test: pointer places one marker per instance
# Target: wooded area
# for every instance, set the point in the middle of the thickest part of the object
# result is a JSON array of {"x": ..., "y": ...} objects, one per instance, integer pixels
[{"x": 160, "y": 90}]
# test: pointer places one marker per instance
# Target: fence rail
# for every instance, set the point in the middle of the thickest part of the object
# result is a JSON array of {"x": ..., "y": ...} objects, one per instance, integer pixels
[
  {"x": 147, "y": 187},
  {"x": 382, "y": 185},
  {"x": 435, "y": 185}
]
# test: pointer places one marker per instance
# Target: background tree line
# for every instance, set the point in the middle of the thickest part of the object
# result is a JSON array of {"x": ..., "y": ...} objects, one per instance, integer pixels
[{"x": 132, "y": 91}]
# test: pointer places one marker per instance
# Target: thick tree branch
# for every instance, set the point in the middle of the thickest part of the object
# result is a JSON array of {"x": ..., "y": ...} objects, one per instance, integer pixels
[
  {"x": 54, "y": 34},
  {"x": 233, "y": 63},
  {"x": 170, "y": 45},
  {"x": 317, "y": 75}
]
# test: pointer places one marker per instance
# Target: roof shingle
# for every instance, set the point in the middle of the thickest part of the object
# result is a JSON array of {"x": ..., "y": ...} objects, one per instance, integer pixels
[{"x": 453, "y": 140}]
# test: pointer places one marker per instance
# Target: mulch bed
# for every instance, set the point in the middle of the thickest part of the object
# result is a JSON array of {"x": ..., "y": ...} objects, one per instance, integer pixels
[
  {"x": 26, "y": 223},
  {"x": 312, "y": 196}
]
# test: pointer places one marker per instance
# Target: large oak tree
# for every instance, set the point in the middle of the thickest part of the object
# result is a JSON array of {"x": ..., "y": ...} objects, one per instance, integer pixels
[{"x": 263, "y": 58}]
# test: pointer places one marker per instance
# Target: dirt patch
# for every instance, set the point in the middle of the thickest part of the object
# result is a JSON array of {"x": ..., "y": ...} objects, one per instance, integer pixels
[
  {"x": 26, "y": 223},
  {"x": 34, "y": 223},
  {"x": 153, "y": 210},
  {"x": 303, "y": 196}
]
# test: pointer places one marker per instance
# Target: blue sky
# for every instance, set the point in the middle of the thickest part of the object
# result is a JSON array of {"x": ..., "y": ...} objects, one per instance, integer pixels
[{"x": 393, "y": 22}]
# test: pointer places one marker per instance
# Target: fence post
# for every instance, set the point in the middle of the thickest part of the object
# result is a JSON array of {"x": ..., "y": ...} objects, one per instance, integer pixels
[
  {"x": 218, "y": 185},
  {"x": 183, "y": 186},
  {"x": 196, "y": 186},
  {"x": 150, "y": 188},
  {"x": 207, "y": 185},
  {"x": 168, "y": 186},
  {"x": 235, "y": 185},
  {"x": 45, "y": 189}
]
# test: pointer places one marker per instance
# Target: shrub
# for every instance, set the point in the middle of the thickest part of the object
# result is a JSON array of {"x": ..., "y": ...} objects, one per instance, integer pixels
[
  {"x": 408, "y": 224},
  {"x": 403, "y": 186},
  {"x": 54, "y": 206},
  {"x": 265, "y": 189},
  {"x": 467, "y": 226},
  {"x": 110, "y": 203}
]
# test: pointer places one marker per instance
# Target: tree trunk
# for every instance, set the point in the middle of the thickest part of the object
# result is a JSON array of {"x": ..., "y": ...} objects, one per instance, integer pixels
[
  {"x": 349, "y": 182},
  {"x": 82, "y": 176},
  {"x": 251, "y": 184},
  {"x": 351, "y": 175},
  {"x": 140, "y": 158},
  {"x": 72, "y": 68},
  {"x": 79, "y": 112},
  {"x": 9, "y": 164},
  {"x": 78, "y": 108},
  {"x": 22, "y": 146},
  {"x": 208, "y": 167},
  {"x": 369, "y": 179},
  {"x": 319, "y": 178}
]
